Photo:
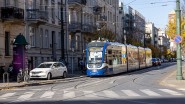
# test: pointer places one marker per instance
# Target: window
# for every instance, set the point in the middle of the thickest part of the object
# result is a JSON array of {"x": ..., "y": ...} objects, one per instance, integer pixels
[
  {"x": 59, "y": 40},
  {"x": 16, "y": 3},
  {"x": 32, "y": 37},
  {"x": 46, "y": 39},
  {"x": 53, "y": 14},
  {"x": 46, "y": 5},
  {"x": 31, "y": 4},
  {"x": 41, "y": 38},
  {"x": 7, "y": 43},
  {"x": 7, "y": 3}
]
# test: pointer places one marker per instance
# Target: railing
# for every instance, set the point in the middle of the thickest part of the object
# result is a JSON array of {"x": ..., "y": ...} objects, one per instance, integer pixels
[
  {"x": 36, "y": 14},
  {"x": 74, "y": 26},
  {"x": 83, "y": 2},
  {"x": 11, "y": 13},
  {"x": 88, "y": 28}
]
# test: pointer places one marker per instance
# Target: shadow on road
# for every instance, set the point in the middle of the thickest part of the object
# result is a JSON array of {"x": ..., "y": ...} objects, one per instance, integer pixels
[{"x": 114, "y": 101}]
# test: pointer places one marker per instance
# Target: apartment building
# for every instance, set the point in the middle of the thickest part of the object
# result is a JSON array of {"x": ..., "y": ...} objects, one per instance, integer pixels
[
  {"x": 87, "y": 17},
  {"x": 11, "y": 24},
  {"x": 39, "y": 21},
  {"x": 139, "y": 26},
  {"x": 152, "y": 33}
]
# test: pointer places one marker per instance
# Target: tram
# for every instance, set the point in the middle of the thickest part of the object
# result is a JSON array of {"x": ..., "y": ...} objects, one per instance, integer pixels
[{"x": 108, "y": 58}]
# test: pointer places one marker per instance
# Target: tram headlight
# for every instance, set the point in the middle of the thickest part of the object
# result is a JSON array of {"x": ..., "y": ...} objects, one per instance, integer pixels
[
  {"x": 98, "y": 65},
  {"x": 90, "y": 65}
]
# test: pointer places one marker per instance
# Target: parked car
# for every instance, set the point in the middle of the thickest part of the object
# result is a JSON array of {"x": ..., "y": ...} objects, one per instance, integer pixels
[
  {"x": 154, "y": 62},
  {"x": 159, "y": 61},
  {"x": 48, "y": 70}
]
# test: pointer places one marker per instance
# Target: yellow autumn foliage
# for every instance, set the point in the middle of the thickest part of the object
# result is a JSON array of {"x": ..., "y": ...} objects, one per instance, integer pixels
[{"x": 171, "y": 29}]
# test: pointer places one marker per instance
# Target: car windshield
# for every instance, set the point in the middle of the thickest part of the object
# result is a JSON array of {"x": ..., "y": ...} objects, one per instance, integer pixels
[
  {"x": 45, "y": 65},
  {"x": 153, "y": 59}
]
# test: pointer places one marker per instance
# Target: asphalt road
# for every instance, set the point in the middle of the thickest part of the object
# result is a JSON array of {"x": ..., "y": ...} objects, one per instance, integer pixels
[{"x": 138, "y": 87}]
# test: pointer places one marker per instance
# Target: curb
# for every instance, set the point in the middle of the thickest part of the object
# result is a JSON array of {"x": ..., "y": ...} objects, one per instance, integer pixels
[
  {"x": 172, "y": 82},
  {"x": 164, "y": 82}
]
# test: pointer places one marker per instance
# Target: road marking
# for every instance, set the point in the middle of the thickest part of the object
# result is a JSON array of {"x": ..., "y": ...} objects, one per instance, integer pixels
[
  {"x": 5, "y": 96},
  {"x": 111, "y": 94},
  {"x": 170, "y": 92},
  {"x": 68, "y": 94},
  {"x": 130, "y": 93},
  {"x": 150, "y": 93},
  {"x": 181, "y": 89},
  {"x": 48, "y": 94},
  {"x": 26, "y": 96},
  {"x": 90, "y": 94}
]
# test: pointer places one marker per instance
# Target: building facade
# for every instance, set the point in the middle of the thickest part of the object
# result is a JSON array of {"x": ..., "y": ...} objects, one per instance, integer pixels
[
  {"x": 11, "y": 24},
  {"x": 53, "y": 28},
  {"x": 152, "y": 33}
]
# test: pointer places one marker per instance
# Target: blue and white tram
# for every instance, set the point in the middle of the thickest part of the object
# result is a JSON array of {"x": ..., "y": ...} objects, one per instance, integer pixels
[{"x": 107, "y": 58}]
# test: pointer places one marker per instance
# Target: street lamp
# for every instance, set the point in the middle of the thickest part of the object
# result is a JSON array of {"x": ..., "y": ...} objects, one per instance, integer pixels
[{"x": 160, "y": 44}]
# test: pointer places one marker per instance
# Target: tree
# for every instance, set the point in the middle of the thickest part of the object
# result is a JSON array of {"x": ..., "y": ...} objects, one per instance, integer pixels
[
  {"x": 171, "y": 30},
  {"x": 104, "y": 34},
  {"x": 155, "y": 50}
]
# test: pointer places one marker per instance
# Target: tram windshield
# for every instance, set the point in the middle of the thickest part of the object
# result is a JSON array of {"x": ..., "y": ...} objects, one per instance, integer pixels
[{"x": 95, "y": 55}]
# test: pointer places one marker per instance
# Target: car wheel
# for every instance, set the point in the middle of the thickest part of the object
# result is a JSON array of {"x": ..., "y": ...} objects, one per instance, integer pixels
[
  {"x": 49, "y": 76},
  {"x": 64, "y": 75}
]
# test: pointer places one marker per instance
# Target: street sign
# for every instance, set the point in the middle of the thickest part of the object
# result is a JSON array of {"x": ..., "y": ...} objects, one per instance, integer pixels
[{"x": 178, "y": 39}]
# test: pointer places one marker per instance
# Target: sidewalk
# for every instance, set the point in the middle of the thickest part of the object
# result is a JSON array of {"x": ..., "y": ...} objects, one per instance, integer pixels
[
  {"x": 11, "y": 85},
  {"x": 170, "y": 80}
]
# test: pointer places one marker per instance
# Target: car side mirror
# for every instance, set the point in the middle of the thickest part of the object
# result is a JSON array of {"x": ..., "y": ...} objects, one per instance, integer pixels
[{"x": 53, "y": 67}]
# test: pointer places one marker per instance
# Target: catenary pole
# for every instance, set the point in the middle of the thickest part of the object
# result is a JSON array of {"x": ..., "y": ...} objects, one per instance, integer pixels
[{"x": 178, "y": 32}]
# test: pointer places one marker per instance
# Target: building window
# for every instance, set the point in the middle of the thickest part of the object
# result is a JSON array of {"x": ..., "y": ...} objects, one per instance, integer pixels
[
  {"x": 59, "y": 40},
  {"x": 46, "y": 5},
  {"x": 32, "y": 37},
  {"x": 41, "y": 38},
  {"x": 7, "y": 3},
  {"x": 7, "y": 43},
  {"x": 31, "y": 4},
  {"x": 16, "y": 3},
  {"x": 46, "y": 39}
]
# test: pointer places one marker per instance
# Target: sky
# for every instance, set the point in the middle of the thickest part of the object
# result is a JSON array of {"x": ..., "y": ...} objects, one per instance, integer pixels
[{"x": 155, "y": 11}]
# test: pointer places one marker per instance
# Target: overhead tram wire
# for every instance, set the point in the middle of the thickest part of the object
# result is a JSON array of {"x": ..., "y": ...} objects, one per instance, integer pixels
[{"x": 130, "y": 2}]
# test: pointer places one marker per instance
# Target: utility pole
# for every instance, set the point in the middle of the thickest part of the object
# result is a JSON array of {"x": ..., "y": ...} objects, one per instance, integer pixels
[
  {"x": 178, "y": 32},
  {"x": 62, "y": 32},
  {"x": 115, "y": 19},
  {"x": 82, "y": 40}
]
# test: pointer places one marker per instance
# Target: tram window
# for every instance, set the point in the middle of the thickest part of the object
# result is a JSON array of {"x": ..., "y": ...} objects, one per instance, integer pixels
[
  {"x": 109, "y": 51},
  {"x": 110, "y": 62}
]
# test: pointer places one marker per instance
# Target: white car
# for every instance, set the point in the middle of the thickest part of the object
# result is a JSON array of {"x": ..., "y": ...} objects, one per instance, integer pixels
[{"x": 49, "y": 70}]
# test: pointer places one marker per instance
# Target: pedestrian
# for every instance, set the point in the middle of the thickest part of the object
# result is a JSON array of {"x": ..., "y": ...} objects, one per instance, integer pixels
[{"x": 81, "y": 64}]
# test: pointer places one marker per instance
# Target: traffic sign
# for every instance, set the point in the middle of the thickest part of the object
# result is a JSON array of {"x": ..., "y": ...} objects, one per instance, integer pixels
[{"x": 178, "y": 39}]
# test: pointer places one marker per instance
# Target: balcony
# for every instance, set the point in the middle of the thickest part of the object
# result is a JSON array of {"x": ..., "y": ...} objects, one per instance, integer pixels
[
  {"x": 76, "y": 3},
  {"x": 88, "y": 28},
  {"x": 35, "y": 16},
  {"x": 11, "y": 14},
  {"x": 74, "y": 26}
]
